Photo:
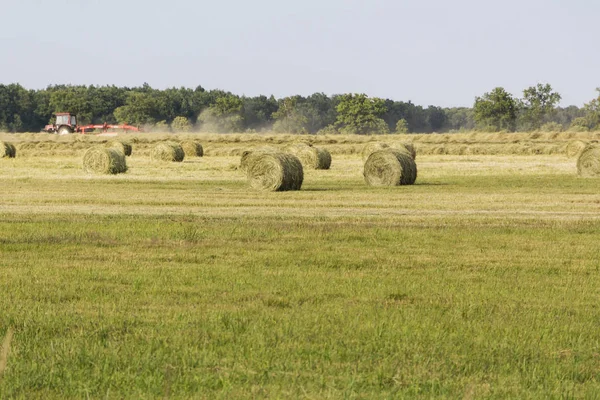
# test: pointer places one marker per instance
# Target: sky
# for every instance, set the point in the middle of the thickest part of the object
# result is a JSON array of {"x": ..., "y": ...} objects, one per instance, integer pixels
[{"x": 431, "y": 52}]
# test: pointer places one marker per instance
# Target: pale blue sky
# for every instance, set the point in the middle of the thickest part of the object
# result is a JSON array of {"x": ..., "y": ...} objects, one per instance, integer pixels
[{"x": 429, "y": 51}]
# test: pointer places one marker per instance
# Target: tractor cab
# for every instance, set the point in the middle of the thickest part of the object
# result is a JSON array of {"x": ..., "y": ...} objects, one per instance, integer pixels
[{"x": 66, "y": 119}]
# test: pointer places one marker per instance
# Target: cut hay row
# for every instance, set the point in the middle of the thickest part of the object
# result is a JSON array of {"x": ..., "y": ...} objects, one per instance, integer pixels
[
  {"x": 256, "y": 139},
  {"x": 7, "y": 150},
  {"x": 168, "y": 152},
  {"x": 102, "y": 160},
  {"x": 192, "y": 148},
  {"x": 123, "y": 147},
  {"x": 275, "y": 172},
  {"x": 390, "y": 167},
  {"x": 588, "y": 163},
  {"x": 45, "y": 149},
  {"x": 310, "y": 157}
]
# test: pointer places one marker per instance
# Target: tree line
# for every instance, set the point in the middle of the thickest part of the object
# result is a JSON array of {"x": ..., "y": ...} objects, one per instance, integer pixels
[{"x": 185, "y": 109}]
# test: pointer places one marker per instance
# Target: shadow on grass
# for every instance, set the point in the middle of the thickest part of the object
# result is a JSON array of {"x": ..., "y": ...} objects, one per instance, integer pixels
[
  {"x": 336, "y": 189},
  {"x": 431, "y": 184}
]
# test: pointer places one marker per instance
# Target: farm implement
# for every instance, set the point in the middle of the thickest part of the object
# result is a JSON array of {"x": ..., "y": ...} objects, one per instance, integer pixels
[{"x": 67, "y": 123}]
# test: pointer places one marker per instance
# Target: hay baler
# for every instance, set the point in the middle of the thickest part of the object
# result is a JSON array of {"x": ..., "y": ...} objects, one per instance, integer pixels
[{"x": 67, "y": 123}]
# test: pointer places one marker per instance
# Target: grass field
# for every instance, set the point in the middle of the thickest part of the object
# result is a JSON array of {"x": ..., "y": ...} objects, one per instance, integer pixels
[{"x": 178, "y": 281}]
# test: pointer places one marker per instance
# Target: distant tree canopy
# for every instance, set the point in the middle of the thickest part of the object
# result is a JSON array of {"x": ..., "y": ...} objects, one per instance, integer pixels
[
  {"x": 185, "y": 109},
  {"x": 538, "y": 104},
  {"x": 359, "y": 114},
  {"x": 496, "y": 111}
]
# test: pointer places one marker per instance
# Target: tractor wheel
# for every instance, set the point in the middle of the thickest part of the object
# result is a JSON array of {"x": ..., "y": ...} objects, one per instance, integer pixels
[{"x": 64, "y": 130}]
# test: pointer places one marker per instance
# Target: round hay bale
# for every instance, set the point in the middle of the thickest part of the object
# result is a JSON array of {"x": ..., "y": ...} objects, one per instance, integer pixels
[
  {"x": 324, "y": 158},
  {"x": 275, "y": 172},
  {"x": 390, "y": 167},
  {"x": 102, "y": 160},
  {"x": 575, "y": 147},
  {"x": 588, "y": 163},
  {"x": 249, "y": 155},
  {"x": 192, "y": 148},
  {"x": 310, "y": 157},
  {"x": 167, "y": 151},
  {"x": 371, "y": 148},
  {"x": 123, "y": 147},
  {"x": 406, "y": 145},
  {"x": 7, "y": 150}
]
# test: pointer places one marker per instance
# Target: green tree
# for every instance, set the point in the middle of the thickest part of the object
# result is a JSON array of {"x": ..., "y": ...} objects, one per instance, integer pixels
[
  {"x": 288, "y": 119},
  {"x": 139, "y": 109},
  {"x": 72, "y": 99},
  {"x": 320, "y": 110},
  {"x": 436, "y": 118},
  {"x": 459, "y": 118},
  {"x": 592, "y": 112},
  {"x": 17, "y": 109},
  {"x": 566, "y": 115},
  {"x": 223, "y": 116},
  {"x": 415, "y": 116},
  {"x": 258, "y": 111},
  {"x": 538, "y": 104},
  {"x": 496, "y": 111},
  {"x": 181, "y": 124},
  {"x": 359, "y": 114},
  {"x": 401, "y": 126},
  {"x": 580, "y": 124}
]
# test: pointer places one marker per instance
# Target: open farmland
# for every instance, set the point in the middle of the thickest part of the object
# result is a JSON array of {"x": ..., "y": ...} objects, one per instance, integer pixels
[{"x": 178, "y": 280}]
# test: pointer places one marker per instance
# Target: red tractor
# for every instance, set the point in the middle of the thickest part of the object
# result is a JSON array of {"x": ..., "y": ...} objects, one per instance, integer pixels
[{"x": 67, "y": 123}]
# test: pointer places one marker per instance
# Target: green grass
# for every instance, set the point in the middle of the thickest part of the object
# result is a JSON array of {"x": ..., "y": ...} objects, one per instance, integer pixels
[{"x": 475, "y": 283}]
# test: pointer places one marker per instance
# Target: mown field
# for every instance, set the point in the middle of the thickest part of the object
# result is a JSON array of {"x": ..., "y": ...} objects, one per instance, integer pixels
[{"x": 178, "y": 281}]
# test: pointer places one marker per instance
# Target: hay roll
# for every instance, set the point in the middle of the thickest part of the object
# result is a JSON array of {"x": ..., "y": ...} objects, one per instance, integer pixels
[
  {"x": 7, "y": 150},
  {"x": 588, "y": 163},
  {"x": 390, "y": 167},
  {"x": 249, "y": 155},
  {"x": 275, "y": 172},
  {"x": 167, "y": 151},
  {"x": 575, "y": 147},
  {"x": 123, "y": 147},
  {"x": 310, "y": 157},
  {"x": 102, "y": 160},
  {"x": 192, "y": 148},
  {"x": 324, "y": 158},
  {"x": 407, "y": 146},
  {"x": 371, "y": 148}
]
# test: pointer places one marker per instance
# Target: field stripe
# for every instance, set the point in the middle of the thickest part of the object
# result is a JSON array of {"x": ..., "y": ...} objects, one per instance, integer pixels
[{"x": 5, "y": 351}]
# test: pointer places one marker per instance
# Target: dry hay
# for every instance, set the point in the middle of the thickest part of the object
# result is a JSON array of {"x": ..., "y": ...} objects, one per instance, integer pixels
[
  {"x": 371, "y": 148},
  {"x": 123, "y": 147},
  {"x": 405, "y": 145},
  {"x": 275, "y": 172},
  {"x": 102, "y": 160},
  {"x": 7, "y": 150},
  {"x": 575, "y": 147},
  {"x": 588, "y": 163},
  {"x": 249, "y": 155},
  {"x": 390, "y": 167},
  {"x": 192, "y": 148},
  {"x": 310, "y": 157},
  {"x": 167, "y": 151}
]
